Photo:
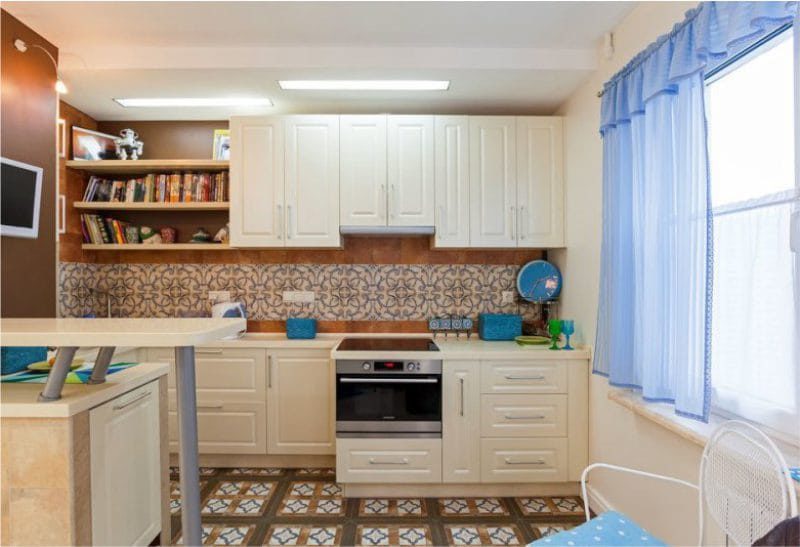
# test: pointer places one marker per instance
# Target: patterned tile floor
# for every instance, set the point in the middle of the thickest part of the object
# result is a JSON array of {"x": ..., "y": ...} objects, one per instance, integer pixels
[{"x": 248, "y": 506}]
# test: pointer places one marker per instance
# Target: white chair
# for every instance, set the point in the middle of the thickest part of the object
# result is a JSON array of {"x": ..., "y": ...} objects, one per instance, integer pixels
[{"x": 744, "y": 485}]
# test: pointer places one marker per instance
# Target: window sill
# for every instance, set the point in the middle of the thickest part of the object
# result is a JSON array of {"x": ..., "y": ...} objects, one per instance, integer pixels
[{"x": 691, "y": 430}]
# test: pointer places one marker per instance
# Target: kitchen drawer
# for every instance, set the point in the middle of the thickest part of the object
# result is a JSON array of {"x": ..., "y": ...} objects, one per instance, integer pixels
[
  {"x": 524, "y": 460},
  {"x": 523, "y": 377},
  {"x": 389, "y": 460},
  {"x": 520, "y": 415},
  {"x": 225, "y": 427},
  {"x": 223, "y": 374}
]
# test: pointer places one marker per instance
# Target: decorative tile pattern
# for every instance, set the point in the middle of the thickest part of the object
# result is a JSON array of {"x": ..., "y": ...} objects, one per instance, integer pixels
[
  {"x": 304, "y": 534},
  {"x": 313, "y": 498},
  {"x": 354, "y": 292},
  {"x": 549, "y": 529},
  {"x": 254, "y": 471},
  {"x": 175, "y": 495},
  {"x": 568, "y": 506},
  {"x": 394, "y": 507},
  {"x": 483, "y": 534},
  {"x": 472, "y": 506},
  {"x": 369, "y": 534},
  {"x": 242, "y": 498},
  {"x": 316, "y": 472},
  {"x": 221, "y": 534},
  {"x": 533, "y": 506}
]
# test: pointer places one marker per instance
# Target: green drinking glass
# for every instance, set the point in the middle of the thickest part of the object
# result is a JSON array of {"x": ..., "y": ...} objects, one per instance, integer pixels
[{"x": 554, "y": 328}]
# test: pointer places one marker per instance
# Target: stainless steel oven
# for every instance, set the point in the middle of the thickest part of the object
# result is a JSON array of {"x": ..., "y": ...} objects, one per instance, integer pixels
[{"x": 389, "y": 397}]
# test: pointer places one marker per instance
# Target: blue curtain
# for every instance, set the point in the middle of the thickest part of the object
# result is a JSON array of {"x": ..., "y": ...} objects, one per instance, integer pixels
[{"x": 654, "y": 314}]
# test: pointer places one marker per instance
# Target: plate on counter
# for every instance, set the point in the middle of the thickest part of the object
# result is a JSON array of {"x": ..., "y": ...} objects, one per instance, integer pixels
[{"x": 532, "y": 340}]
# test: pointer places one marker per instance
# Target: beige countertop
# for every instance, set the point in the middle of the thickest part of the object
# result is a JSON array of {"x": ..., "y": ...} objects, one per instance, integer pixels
[
  {"x": 116, "y": 332},
  {"x": 21, "y": 400}
]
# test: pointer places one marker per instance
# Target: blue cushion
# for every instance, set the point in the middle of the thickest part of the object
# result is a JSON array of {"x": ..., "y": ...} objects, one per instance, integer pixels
[
  {"x": 610, "y": 528},
  {"x": 14, "y": 359}
]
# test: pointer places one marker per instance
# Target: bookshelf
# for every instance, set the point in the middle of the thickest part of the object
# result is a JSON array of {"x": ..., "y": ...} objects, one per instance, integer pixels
[
  {"x": 157, "y": 247},
  {"x": 152, "y": 206},
  {"x": 185, "y": 217}
]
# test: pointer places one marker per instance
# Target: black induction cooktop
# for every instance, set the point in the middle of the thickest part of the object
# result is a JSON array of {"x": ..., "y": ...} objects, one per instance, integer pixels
[{"x": 387, "y": 344}]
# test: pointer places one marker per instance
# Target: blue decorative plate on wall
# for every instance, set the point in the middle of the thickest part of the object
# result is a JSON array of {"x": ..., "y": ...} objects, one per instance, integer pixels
[{"x": 539, "y": 281}]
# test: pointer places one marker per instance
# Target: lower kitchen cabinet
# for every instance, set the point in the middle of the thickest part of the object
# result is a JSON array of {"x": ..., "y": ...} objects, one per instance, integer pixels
[
  {"x": 300, "y": 402},
  {"x": 524, "y": 460},
  {"x": 409, "y": 461},
  {"x": 225, "y": 427},
  {"x": 461, "y": 405},
  {"x": 126, "y": 468}
]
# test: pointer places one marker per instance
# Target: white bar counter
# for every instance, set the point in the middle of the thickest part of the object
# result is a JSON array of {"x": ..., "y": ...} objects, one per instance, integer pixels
[{"x": 182, "y": 334}]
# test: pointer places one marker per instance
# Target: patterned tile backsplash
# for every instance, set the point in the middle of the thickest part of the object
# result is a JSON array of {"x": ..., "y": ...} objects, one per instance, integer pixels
[{"x": 344, "y": 292}]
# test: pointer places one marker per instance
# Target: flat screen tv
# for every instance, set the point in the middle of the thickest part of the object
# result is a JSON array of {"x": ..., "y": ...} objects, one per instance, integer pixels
[{"x": 20, "y": 198}]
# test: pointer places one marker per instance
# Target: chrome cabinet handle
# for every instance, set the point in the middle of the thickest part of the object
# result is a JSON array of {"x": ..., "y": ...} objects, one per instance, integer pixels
[
  {"x": 374, "y": 461},
  {"x": 383, "y": 200},
  {"x": 513, "y": 222},
  {"x": 269, "y": 371},
  {"x": 514, "y": 377},
  {"x": 208, "y": 351},
  {"x": 392, "y": 200},
  {"x": 512, "y": 417},
  {"x": 62, "y": 216},
  {"x": 132, "y": 401},
  {"x": 388, "y": 380},
  {"x": 289, "y": 221},
  {"x": 522, "y": 222},
  {"x": 279, "y": 220},
  {"x": 509, "y": 461},
  {"x": 462, "y": 395}
]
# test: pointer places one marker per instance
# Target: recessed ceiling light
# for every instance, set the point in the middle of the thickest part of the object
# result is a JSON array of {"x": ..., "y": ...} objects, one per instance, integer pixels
[
  {"x": 194, "y": 101},
  {"x": 366, "y": 85}
]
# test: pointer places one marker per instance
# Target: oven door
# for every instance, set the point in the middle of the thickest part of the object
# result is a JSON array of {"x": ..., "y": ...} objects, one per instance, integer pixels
[{"x": 388, "y": 403}]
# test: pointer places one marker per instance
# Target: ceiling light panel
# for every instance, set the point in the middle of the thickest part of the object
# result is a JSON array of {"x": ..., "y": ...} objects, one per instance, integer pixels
[{"x": 159, "y": 102}]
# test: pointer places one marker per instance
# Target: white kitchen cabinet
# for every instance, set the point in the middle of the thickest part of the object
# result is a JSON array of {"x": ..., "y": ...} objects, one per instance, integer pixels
[
  {"x": 451, "y": 180},
  {"x": 301, "y": 404},
  {"x": 540, "y": 184},
  {"x": 381, "y": 461},
  {"x": 493, "y": 181},
  {"x": 461, "y": 442},
  {"x": 312, "y": 181},
  {"x": 257, "y": 217},
  {"x": 410, "y": 170},
  {"x": 126, "y": 468},
  {"x": 363, "y": 170}
]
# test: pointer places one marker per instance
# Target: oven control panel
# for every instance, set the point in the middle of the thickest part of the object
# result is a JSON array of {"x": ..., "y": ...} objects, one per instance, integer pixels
[{"x": 391, "y": 366}]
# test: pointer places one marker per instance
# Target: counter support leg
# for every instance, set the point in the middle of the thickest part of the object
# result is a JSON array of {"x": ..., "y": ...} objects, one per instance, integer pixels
[
  {"x": 100, "y": 369},
  {"x": 191, "y": 529},
  {"x": 58, "y": 374}
]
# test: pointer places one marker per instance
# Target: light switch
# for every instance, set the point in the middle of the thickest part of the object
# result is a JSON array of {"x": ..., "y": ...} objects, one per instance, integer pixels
[{"x": 304, "y": 297}]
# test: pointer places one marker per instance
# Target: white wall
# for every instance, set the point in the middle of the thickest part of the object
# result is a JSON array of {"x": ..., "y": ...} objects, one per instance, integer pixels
[{"x": 616, "y": 435}]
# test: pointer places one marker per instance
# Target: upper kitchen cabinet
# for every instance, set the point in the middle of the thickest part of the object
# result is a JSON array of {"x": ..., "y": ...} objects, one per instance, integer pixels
[
  {"x": 493, "y": 181},
  {"x": 410, "y": 170},
  {"x": 312, "y": 181},
  {"x": 540, "y": 185},
  {"x": 451, "y": 179},
  {"x": 256, "y": 182},
  {"x": 363, "y": 170}
]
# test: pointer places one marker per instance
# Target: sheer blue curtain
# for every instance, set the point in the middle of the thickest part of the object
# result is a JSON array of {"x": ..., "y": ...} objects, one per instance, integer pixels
[{"x": 654, "y": 315}]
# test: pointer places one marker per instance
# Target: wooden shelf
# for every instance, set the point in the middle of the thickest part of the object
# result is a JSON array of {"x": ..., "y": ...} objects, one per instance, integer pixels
[
  {"x": 156, "y": 247},
  {"x": 136, "y": 167},
  {"x": 152, "y": 206}
]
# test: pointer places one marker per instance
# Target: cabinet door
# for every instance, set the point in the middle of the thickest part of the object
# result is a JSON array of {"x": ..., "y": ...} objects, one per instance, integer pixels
[
  {"x": 540, "y": 183},
  {"x": 312, "y": 181},
  {"x": 126, "y": 468},
  {"x": 410, "y": 170},
  {"x": 493, "y": 181},
  {"x": 300, "y": 402},
  {"x": 451, "y": 180},
  {"x": 461, "y": 424},
  {"x": 256, "y": 182},
  {"x": 363, "y": 170}
]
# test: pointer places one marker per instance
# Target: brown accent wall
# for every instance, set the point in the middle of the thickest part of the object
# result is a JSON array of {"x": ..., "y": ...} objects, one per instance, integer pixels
[
  {"x": 28, "y": 134},
  {"x": 184, "y": 140}
]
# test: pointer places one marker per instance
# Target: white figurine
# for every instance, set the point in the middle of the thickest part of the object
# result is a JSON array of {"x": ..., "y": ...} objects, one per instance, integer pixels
[{"x": 128, "y": 145}]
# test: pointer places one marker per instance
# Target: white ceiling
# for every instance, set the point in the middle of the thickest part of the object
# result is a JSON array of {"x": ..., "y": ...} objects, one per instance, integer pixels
[{"x": 501, "y": 57}]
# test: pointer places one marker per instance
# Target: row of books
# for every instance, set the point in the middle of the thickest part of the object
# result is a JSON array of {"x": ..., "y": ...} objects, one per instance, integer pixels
[
  {"x": 100, "y": 230},
  {"x": 165, "y": 188}
]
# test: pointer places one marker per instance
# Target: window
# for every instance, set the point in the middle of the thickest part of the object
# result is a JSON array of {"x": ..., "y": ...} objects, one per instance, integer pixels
[{"x": 751, "y": 143}]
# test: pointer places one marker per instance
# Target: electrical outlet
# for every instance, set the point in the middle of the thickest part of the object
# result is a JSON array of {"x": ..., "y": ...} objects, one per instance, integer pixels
[
  {"x": 507, "y": 297},
  {"x": 219, "y": 296},
  {"x": 304, "y": 297}
]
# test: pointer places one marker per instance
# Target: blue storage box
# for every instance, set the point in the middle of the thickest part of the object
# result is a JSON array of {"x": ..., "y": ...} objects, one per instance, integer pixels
[
  {"x": 301, "y": 328},
  {"x": 14, "y": 359},
  {"x": 499, "y": 326}
]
